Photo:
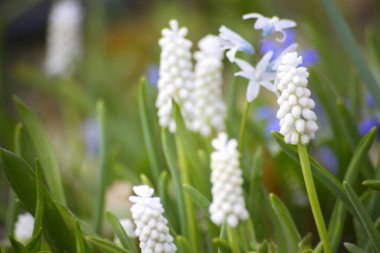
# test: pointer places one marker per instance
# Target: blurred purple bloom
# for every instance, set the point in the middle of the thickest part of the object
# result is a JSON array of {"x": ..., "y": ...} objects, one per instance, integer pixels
[
  {"x": 370, "y": 100},
  {"x": 268, "y": 114},
  {"x": 309, "y": 56},
  {"x": 367, "y": 124},
  {"x": 326, "y": 156},
  {"x": 152, "y": 74},
  {"x": 91, "y": 132}
]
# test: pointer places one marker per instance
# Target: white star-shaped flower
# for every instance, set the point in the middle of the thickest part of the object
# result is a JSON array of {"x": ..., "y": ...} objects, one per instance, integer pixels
[
  {"x": 233, "y": 42},
  {"x": 259, "y": 76},
  {"x": 271, "y": 25}
]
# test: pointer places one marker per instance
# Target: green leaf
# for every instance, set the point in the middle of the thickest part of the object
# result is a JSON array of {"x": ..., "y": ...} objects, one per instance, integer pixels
[
  {"x": 352, "y": 248},
  {"x": 199, "y": 169},
  {"x": 35, "y": 242},
  {"x": 352, "y": 48},
  {"x": 17, "y": 246},
  {"x": 363, "y": 216},
  {"x": 319, "y": 172},
  {"x": 23, "y": 181},
  {"x": 150, "y": 139},
  {"x": 39, "y": 213},
  {"x": 198, "y": 198},
  {"x": 183, "y": 244},
  {"x": 102, "y": 169},
  {"x": 105, "y": 245},
  {"x": 305, "y": 243},
  {"x": 170, "y": 156},
  {"x": 372, "y": 183},
  {"x": 44, "y": 150},
  {"x": 287, "y": 223},
  {"x": 338, "y": 218},
  {"x": 120, "y": 232},
  {"x": 222, "y": 244},
  {"x": 79, "y": 239}
]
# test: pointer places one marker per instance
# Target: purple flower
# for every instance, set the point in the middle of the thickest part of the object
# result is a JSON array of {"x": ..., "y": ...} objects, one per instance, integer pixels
[
  {"x": 326, "y": 156},
  {"x": 151, "y": 73},
  {"x": 268, "y": 114},
  {"x": 370, "y": 100},
  {"x": 367, "y": 124},
  {"x": 91, "y": 132}
]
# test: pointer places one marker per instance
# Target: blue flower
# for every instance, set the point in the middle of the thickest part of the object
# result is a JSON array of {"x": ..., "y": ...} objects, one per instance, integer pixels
[
  {"x": 271, "y": 25},
  {"x": 326, "y": 156},
  {"x": 367, "y": 124},
  {"x": 268, "y": 114},
  {"x": 91, "y": 135},
  {"x": 152, "y": 74},
  {"x": 233, "y": 42}
]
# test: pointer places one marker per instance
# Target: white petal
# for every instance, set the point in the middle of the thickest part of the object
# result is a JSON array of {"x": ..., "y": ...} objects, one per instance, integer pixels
[{"x": 252, "y": 90}]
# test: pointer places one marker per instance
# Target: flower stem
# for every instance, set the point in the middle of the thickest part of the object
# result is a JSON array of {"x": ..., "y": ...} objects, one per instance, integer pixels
[
  {"x": 242, "y": 127},
  {"x": 313, "y": 197},
  {"x": 233, "y": 239}
]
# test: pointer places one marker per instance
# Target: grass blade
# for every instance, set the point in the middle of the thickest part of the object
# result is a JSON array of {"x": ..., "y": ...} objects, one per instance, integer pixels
[
  {"x": 363, "y": 216},
  {"x": 120, "y": 232},
  {"x": 79, "y": 241},
  {"x": 44, "y": 150},
  {"x": 374, "y": 184},
  {"x": 352, "y": 248},
  {"x": 198, "y": 198},
  {"x": 105, "y": 245}
]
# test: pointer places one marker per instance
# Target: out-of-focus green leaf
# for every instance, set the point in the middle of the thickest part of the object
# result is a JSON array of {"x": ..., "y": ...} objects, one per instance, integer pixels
[
  {"x": 319, "y": 172},
  {"x": 44, "y": 150},
  {"x": 105, "y": 245},
  {"x": 349, "y": 43},
  {"x": 352, "y": 248},
  {"x": 149, "y": 136},
  {"x": 183, "y": 244},
  {"x": 23, "y": 181},
  {"x": 198, "y": 198},
  {"x": 79, "y": 239},
  {"x": 305, "y": 243},
  {"x": 372, "y": 183},
  {"x": 364, "y": 217},
  {"x": 337, "y": 221},
  {"x": 102, "y": 168},
  {"x": 170, "y": 156},
  {"x": 120, "y": 232},
  {"x": 287, "y": 223},
  {"x": 222, "y": 244},
  {"x": 17, "y": 246},
  {"x": 200, "y": 171},
  {"x": 35, "y": 243}
]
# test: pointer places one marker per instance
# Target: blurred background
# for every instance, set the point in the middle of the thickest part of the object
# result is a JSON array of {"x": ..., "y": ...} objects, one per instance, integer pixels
[{"x": 120, "y": 44}]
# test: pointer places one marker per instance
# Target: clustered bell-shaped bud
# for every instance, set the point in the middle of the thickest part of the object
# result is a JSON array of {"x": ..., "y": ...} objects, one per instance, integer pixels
[
  {"x": 175, "y": 76},
  {"x": 226, "y": 177},
  {"x": 24, "y": 228},
  {"x": 151, "y": 226},
  {"x": 64, "y": 42},
  {"x": 297, "y": 118},
  {"x": 210, "y": 109}
]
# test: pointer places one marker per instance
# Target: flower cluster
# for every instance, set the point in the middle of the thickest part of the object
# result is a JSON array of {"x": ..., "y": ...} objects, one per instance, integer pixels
[
  {"x": 151, "y": 225},
  {"x": 24, "y": 228},
  {"x": 175, "y": 76},
  {"x": 226, "y": 177},
  {"x": 210, "y": 109},
  {"x": 64, "y": 42},
  {"x": 297, "y": 120}
]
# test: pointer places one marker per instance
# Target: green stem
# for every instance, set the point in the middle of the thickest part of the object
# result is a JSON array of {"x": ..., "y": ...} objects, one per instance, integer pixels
[
  {"x": 233, "y": 239},
  {"x": 190, "y": 212},
  {"x": 102, "y": 170},
  {"x": 243, "y": 126},
  {"x": 313, "y": 198}
]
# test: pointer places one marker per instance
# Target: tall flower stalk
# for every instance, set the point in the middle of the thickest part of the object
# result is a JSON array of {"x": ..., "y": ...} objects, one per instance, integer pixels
[{"x": 298, "y": 125}]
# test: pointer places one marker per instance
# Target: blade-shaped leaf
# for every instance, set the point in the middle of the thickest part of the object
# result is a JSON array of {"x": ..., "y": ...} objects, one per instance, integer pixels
[
  {"x": 79, "y": 239},
  {"x": 23, "y": 181},
  {"x": 105, "y": 245},
  {"x": 17, "y": 246},
  {"x": 287, "y": 223},
  {"x": 352, "y": 248},
  {"x": 35, "y": 242},
  {"x": 198, "y": 198},
  {"x": 183, "y": 244},
  {"x": 372, "y": 183},
  {"x": 120, "y": 232},
  {"x": 44, "y": 150},
  {"x": 363, "y": 216}
]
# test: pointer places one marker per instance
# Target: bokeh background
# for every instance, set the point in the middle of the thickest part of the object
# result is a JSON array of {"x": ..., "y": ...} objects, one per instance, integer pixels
[{"x": 121, "y": 45}]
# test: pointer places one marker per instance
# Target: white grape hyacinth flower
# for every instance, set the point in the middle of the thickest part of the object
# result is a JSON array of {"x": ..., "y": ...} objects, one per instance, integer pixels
[
  {"x": 226, "y": 177},
  {"x": 24, "y": 228},
  {"x": 210, "y": 109},
  {"x": 175, "y": 76},
  {"x": 151, "y": 226},
  {"x": 64, "y": 37},
  {"x": 297, "y": 118}
]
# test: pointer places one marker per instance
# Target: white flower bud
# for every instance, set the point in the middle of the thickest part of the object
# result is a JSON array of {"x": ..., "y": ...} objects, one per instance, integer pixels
[
  {"x": 24, "y": 228},
  {"x": 210, "y": 109},
  {"x": 151, "y": 225},
  {"x": 175, "y": 76},
  {"x": 297, "y": 120},
  {"x": 226, "y": 177},
  {"x": 64, "y": 42}
]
